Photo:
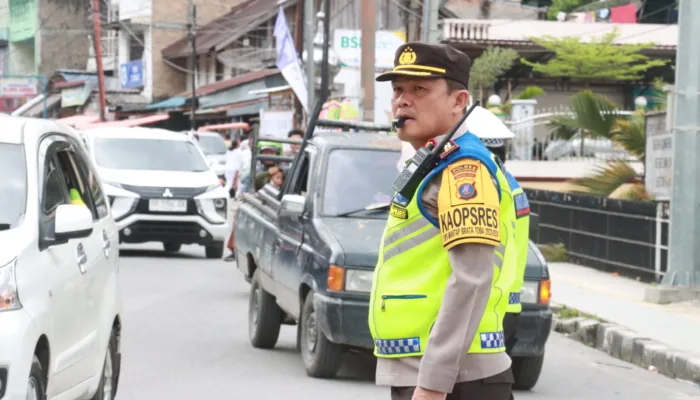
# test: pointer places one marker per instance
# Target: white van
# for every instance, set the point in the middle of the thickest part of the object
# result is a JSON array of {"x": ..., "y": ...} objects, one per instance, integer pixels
[{"x": 60, "y": 318}]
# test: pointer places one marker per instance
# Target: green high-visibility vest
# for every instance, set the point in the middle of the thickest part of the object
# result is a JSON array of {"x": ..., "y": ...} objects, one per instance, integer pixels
[
  {"x": 522, "y": 234},
  {"x": 75, "y": 197},
  {"x": 413, "y": 269}
]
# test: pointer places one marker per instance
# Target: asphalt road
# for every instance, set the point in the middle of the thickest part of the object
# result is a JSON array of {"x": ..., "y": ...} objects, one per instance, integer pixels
[{"x": 185, "y": 337}]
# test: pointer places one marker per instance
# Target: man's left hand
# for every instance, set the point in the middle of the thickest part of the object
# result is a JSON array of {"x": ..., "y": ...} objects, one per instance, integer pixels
[{"x": 425, "y": 394}]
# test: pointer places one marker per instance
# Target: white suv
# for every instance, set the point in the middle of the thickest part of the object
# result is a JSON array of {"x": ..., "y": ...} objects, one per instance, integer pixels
[
  {"x": 161, "y": 188},
  {"x": 59, "y": 293}
]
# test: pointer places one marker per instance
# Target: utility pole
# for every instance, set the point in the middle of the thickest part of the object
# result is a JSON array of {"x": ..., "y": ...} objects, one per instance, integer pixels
[
  {"x": 98, "y": 58},
  {"x": 367, "y": 64},
  {"x": 309, "y": 29},
  {"x": 684, "y": 252},
  {"x": 428, "y": 29},
  {"x": 299, "y": 45},
  {"x": 195, "y": 71}
]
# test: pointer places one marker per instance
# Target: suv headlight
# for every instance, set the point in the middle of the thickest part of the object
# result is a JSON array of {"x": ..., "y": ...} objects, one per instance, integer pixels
[
  {"x": 9, "y": 299},
  {"x": 121, "y": 202},
  {"x": 213, "y": 204},
  {"x": 536, "y": 292}
]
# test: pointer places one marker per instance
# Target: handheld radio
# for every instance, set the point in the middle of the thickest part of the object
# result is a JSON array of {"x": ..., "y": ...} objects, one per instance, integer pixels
[{"x": 425, "y": 159}]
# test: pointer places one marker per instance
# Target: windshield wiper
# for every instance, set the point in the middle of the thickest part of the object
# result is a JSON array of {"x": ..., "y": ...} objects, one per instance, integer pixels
[
  {"x": 371, "y": 207},
  {"x": 4, "y": 227}
]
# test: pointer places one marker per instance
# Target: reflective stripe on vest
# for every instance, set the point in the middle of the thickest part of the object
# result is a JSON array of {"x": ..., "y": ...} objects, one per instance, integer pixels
[
  {"x": 410, "y": 278},
  {"x": 507, "y": 206},
  {"x": 522, "y": 233}
]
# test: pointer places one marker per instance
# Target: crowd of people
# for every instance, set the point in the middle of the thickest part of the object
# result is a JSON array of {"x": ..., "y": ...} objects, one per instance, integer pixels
[{"x": 238, "y": 169}]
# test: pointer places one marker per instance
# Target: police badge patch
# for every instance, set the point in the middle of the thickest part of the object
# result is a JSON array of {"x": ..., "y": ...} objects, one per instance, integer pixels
[{"x": 522, "y": 206}]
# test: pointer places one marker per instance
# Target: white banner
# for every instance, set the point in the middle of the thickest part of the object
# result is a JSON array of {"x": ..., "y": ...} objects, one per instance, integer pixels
[{"x": 347, "y": 46}]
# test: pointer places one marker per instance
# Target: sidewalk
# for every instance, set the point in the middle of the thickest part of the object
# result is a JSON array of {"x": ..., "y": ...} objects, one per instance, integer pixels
[
  {"x": 621, "y": 301},
  {"x": 660, "y": 338}
]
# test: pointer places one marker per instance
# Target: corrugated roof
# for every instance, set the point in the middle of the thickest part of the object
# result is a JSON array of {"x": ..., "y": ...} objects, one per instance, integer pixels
[
  {"x": 127, "y": 122},
  {"x": 243, "y": 17},
  {"x": 229, "y": 83},
  {"x": 173, "y": 102},
  {"x": 509, "y": 31}
]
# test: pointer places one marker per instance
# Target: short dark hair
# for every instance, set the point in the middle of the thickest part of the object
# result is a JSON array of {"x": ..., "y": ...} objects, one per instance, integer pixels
[
  {"x": 295, "y": 131},
  {"x": 453, "y": 85}
]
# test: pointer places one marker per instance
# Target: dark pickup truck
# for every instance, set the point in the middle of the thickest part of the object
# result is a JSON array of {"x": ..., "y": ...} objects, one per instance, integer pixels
[{"x": 310, "y": 253}]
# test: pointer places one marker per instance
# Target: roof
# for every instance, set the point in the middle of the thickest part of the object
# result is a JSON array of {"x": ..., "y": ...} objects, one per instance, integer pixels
[
  {"x": 361, "y": 140},
  {"x": 173, "y": 102},
  {"x": 76, "y": 120},
  {"x": 233, "y": 82},
  {"x": 505, "y": 31},
  {"x": 137, "y": 133},
  {"x": 127, "y": 122},
  {"x": 245, "y": 16}
]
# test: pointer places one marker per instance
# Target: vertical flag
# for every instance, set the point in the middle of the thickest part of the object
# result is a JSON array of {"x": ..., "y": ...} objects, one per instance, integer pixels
[{"x": 288, "y": 60}]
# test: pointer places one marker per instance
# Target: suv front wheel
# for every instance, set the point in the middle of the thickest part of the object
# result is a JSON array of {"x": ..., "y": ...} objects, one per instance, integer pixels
[{"x": 215, "y": 250}]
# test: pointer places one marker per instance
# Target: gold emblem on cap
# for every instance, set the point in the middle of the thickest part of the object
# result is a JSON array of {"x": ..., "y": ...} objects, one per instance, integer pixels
[{"x": 407, "y": 57}]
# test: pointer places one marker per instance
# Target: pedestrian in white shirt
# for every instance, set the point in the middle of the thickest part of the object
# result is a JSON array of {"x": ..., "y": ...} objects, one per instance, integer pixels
[{"x": 233, "y": 164}]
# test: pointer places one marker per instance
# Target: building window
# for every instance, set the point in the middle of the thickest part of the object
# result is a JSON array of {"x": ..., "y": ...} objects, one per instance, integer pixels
[{"x": 136, "y": 47}]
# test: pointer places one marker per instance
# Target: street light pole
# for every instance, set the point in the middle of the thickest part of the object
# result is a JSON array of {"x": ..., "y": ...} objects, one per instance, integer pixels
[
  {"x": 684, "y": 252},
  {"x": 193, "y": 41}
]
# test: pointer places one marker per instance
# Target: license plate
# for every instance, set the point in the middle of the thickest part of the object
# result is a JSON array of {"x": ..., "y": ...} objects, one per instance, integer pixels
[{"x": 167, "y": 205}]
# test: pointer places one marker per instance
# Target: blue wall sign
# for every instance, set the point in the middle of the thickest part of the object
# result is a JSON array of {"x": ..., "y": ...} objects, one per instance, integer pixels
[{"x": 131, "y": 74}]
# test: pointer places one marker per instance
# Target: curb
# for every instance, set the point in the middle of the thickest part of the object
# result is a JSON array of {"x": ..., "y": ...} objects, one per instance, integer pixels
[{"x": 631, "y": 347}]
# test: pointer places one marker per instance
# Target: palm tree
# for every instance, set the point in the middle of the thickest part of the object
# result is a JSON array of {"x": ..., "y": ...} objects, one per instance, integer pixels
[
  {"x": 629, "y": 134},
  {"x": 597, "y": 116},
  {"x": 593, "y": 115}
]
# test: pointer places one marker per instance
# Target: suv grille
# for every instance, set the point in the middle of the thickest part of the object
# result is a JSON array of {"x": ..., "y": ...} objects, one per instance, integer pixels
[{"x": 157, "y": 192}]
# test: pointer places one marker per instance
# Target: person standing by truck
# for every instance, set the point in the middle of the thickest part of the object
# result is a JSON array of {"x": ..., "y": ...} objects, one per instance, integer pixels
[
  {"x": 438, "y": 295},
  {"x": 522, "y": 240}
]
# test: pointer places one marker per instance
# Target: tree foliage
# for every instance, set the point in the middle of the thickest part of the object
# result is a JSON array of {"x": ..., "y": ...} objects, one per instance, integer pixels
[
  {"x": 566, "y": 6},
  {"x": 593, "y": 113},
  {"x": 600, "y": 58},
  {"x": 489, "y": 66}
]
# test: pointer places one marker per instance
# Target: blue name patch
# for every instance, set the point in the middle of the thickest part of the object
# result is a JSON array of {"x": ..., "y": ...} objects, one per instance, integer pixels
[{"x": 522, "y": 206}]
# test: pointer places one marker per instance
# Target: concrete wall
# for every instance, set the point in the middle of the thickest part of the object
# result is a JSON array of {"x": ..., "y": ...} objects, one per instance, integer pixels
[
  {"x": 63, "y": 35},
  {"x": 167, "y": 80}
]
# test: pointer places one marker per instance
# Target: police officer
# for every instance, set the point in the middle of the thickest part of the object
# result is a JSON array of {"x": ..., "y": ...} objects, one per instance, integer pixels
[
  {"x": 497, "y": 146},
  {"x": 440, "y": 289}
]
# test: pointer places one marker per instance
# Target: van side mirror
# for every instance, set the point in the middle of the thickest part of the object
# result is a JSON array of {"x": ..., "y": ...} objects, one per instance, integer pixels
[
  {"x": 292, "y": 205},
  {"x": 534, "y": 224},
  {"x": 72, "y": 222}
]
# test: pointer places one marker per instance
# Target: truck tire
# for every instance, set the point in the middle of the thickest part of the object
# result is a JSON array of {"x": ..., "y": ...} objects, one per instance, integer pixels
[
  {"x": 215, "y": 250},
  {"x": 526, "y": 371},
  {"x": 322, "y": 358},
  {"x": 264, "y": 316}
]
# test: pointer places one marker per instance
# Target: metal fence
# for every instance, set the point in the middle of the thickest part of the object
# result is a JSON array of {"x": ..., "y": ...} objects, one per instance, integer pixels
[{"x": 627, "y": 237}]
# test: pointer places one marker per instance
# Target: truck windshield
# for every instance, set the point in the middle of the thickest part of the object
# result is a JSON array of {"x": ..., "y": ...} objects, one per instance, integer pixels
[
  {"x": 13, "y": 185},
  {"x": 358, "y": 178}
]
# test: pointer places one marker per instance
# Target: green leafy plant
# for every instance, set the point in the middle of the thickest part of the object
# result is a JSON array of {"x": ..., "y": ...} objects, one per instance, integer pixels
[
  {"x": 553, "y": 252},
  {"x": 601, "y": 58},
  {"x": 488, "y": 67}
]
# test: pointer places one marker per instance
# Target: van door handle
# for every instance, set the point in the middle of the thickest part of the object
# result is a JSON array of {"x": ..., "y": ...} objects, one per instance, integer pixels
[
  {"x": 106, "y": 244},
  {"x": 82, "y": 258}
]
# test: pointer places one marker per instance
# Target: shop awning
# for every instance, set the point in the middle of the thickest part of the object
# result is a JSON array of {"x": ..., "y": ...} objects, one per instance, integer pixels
[
  {"x": 232, "y": 125},
  {"x": 77, "y": 120},
  {"x": 151, "y": 119},
  {"x": 173, "y": 102}
]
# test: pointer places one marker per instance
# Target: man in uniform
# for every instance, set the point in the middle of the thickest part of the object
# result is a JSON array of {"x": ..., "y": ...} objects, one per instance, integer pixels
[
  {"x": 522, "y": 238},
  {"x": 438, "y": 294}
]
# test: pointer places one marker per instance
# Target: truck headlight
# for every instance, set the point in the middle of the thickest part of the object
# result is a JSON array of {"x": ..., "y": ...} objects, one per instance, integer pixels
[
  {"x": 9, "y": 298},
  {"x": 349, "y": 279},
  {"x": 536, "y": 292}
]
